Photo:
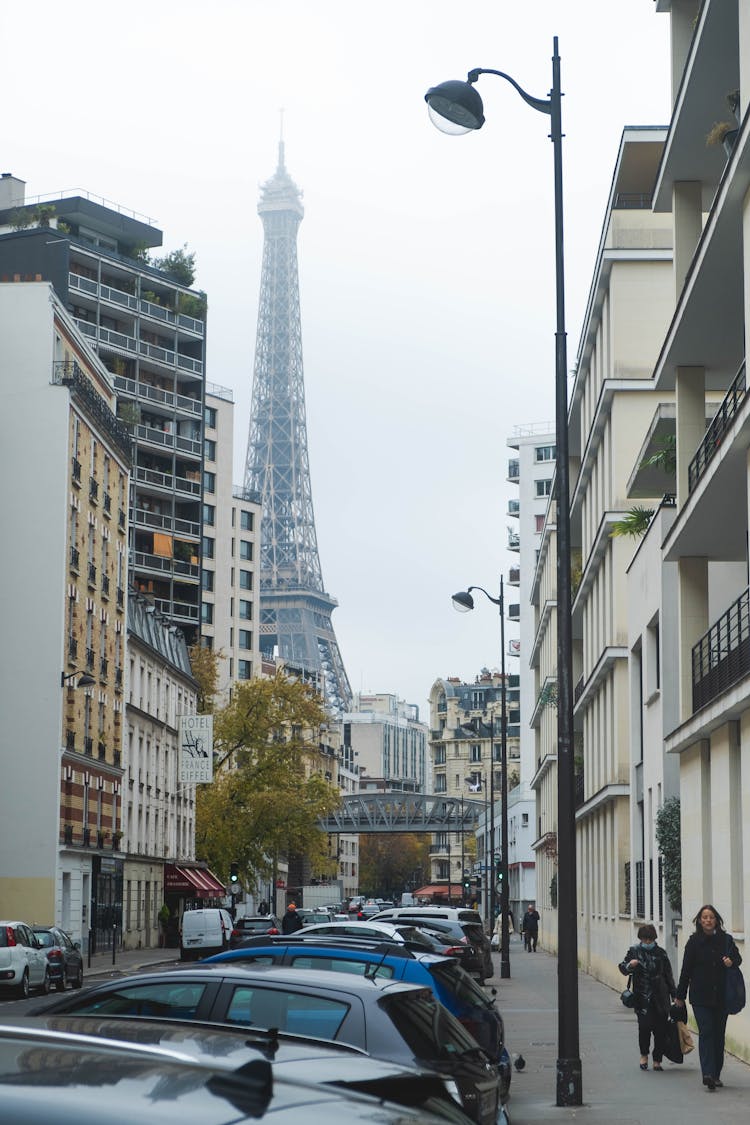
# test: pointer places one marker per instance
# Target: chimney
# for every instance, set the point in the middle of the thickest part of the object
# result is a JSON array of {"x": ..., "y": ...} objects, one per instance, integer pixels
[{"x": 12, "y": 191}]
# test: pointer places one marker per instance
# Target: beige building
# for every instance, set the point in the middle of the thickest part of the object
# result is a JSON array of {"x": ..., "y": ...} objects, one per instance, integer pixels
[{"x": 63, "y": 608}]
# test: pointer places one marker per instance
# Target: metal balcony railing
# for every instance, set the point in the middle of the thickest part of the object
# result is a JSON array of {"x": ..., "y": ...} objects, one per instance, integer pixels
[
  {"x": 89, "y": 659},
  {"x": 105, "y": 585},
  {"x": 72, "y": 648},
  {"x": 640, "y": 889},
  {"x": 720, "y": 423},
  {"x": 92, "y": 574},
  {"x": 76, "y": 468},
  {"x": 722, "y": 655},
  {"x": 74, "y": 558}
]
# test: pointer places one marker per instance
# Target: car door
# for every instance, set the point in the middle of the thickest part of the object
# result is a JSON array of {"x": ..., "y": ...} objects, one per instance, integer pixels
[{"x": 36, "y": 958}]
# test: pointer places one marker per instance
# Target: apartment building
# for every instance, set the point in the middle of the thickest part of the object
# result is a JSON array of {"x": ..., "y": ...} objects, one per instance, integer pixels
[
  {"x": 229, "y": 574},
  {"x": 531, "y": 468},
  {"x": 64, "y": 576},
  {"x": 466, "y": 746},
  {"x": 148, "y": 327},
  {"x": 388, "y": 741}
]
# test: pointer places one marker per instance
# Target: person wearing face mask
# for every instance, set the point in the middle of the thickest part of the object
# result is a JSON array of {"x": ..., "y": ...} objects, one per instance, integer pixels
[
  {"x": 709, "y": 952},
  {"x": 653, "y": 988}
]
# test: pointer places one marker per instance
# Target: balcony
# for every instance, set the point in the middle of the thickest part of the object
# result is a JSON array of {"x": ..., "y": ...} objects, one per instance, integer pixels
[
  {"x": 88, "y": 746},
  {"x": 514, "y": 508},
  {"x": 162, "y": 564},
  {"x": 74, "y": 559},
  {"x": 514, "y": 576},
  {"x": 120, "y": 597},
  {"x": 93, "y": 490},
  {"x": 68, "y": 374},
  {"x": 103, "y": 666},
  {"x": 722, "y": 655},
  {"x": 513, "y": 470},
  {"x": 68, "y": 834},
  {"x": 107, "y": 503},
  {"x": 92, "y": 574},
  {"x": 72, "y": 648},
  {"x": 76, "y": 471},
  {"x": 70, "y": 740},
  {"x": 514, "y": 541},
  {"x": 715, "y": 433},
  {"x": 89, "y": 659},
  {"x": 514, "y": 612},
  {"x": 105, "y": 585}
]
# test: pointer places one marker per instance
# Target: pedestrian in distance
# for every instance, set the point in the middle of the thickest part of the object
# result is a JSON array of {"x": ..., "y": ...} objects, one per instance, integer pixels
[
  {"x": 653, "y": 988},
  {"x": 291, "y": 922},
  {"x": 530, "y": 928},
  {"x": 709, "y": 952}
]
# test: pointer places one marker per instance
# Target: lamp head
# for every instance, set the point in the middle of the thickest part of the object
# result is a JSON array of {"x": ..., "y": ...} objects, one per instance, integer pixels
[
  {"x": 462, "y": 601},
  {"x": 455, "y": 107}
]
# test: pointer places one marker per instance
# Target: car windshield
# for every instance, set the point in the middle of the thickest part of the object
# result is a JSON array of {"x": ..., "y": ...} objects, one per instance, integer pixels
[
  {"x": 412, "y": 934},
  {"x": 428, "y": 1028},
  {"x": 460, "y": 984},
  {"x": 256, "y": 925},
  {"x": 45, "y": 938},
  {"x": 174, "y": 1000}
]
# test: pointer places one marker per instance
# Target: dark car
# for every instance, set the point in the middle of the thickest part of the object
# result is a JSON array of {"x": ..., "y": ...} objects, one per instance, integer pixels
[
  {"x": 454, "y": 988},
  {"x": 456, "y": 930},
  {"x": 399, "y": 1022},
  {"x": 74, "y": 1071},
  {"x": 64, "y": 957},
  {"x": 413, "y": 936},
  {"x": 251, "y": 926}
]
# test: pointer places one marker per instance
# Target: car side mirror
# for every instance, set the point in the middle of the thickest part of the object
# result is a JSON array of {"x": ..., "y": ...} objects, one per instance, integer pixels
[
  {"x": 38, "y": 944},
  {"x": 77, "y": 945}
]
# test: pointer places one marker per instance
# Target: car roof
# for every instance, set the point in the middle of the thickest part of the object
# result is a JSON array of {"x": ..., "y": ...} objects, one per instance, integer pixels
[
  {"x": 354, "y": 950},
  {"x": 454, "y": 913}
]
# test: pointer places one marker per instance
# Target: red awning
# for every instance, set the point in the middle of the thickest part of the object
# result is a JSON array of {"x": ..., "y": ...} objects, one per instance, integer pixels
[
  {"x": 198, "y": 882},
  {"x": 437, "y": 889}
]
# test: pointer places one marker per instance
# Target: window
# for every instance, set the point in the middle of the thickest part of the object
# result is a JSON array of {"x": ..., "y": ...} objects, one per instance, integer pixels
[
  {"x": 440, "y": 785},
  {"x": 246, "y": 580},
  {"x": 543, "y": 487},
  {"x": 246, "y": 550},
  {"x": 207, "y": 579},
  {"x": 246, "y": 610},
  {"x": 207, "y": 613},
  {"x": 539, "y": 524},
  {"x": 244, "y": 669},
  {"x": 246, "y": 521},
  {"x": 525, "y": 819},
  {"x": 209, "y": 417},
  {"x": 440, "y": 756},
  {"x": 209, "y": 482},
  {"x": 209, "y": 447},
  {"x": 209, "y": 514},
  {"x": 208, "y": 547},
  {"x": 287, "y": 1010},
  {"x": 245, "y": 638},
  {"x": 545, "y": 453},
  {"x": 475, "y": 754}
]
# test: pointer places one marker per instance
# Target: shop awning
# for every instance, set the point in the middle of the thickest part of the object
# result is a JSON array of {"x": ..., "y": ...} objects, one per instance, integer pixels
[
  {"x": 437, "y": 889},
  {"x": 198, "y": 882}
]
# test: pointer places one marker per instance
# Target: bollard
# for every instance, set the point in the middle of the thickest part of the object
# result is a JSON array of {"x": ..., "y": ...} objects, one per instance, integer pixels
[
  {"x": 114, "y": 940},
  {"x": 91, "y": 941}
]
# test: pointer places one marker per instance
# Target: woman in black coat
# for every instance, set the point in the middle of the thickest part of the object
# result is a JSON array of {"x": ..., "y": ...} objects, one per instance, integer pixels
[
  {"x": 709, "y": 952},
  {"x": 652, "y": 987}
]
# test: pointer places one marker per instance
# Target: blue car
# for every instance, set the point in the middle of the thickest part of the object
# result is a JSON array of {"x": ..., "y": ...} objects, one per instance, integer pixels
[{"x": 449, "y": 983}]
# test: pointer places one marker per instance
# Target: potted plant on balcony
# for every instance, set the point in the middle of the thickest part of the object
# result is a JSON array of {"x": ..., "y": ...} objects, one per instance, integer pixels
[{"x": 722, "y": 133}]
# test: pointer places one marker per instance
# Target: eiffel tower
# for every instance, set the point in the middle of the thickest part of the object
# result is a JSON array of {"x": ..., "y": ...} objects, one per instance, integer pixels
[{"x": 295, "y": 609}]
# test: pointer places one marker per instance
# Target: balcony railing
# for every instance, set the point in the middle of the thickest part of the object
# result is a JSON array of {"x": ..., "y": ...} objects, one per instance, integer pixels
[
  {"x": 70, "y": 740},
  {"x": 92, "y": 574},
  {"x": 89, "y": 659},
  {"x": 74, "y": 558},
  {"x": 76, "y": 469},
  {"x": 107, "y": 503},
  {"x": 640, "y": 889},
  {"x": 93, "y": 490},
  {"x": 722, "y": 655},
  {"x": 88, "y": 746},
  {"x": 514, "y": 507},
  {"x": 103, "y": 665},
  {"x": 120, "y": 597},
  {"x": 72, "y": 648},
  {"x": 105, "y": 585},
  {"x": 720, "y": 423},
  {"x": 68, "y": 373},
  {"x": 118, "y": 679}
]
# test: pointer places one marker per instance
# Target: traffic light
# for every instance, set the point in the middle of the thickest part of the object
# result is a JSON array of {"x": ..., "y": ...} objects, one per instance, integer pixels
[
  {"x": 234, "y": 876},
  {"x": 498, "y": 869},
  {"x": 467, "y": 883}
]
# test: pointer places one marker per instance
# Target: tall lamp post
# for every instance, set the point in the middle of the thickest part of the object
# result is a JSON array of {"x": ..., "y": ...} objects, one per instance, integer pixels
[
  {"x": 464, "y": 602},
  {"x": 457, "y": 107}
]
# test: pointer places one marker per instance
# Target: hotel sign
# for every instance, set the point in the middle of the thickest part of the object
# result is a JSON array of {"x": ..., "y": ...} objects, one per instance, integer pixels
[{"x": 196, "y": 748}]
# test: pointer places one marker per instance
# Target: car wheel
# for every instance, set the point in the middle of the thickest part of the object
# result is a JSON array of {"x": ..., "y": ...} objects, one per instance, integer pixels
[
  {"x": 77, "y": 981},
  {"x": 46, "y": 983},
  {"x": 23, "y": 988}
]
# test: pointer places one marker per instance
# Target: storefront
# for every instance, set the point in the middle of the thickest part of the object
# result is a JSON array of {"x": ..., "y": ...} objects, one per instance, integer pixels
[{"x": 188, "y": 887}]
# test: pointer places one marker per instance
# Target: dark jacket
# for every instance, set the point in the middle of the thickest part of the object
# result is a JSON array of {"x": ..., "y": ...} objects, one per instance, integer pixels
[
  {"x": 530, "y": 922},
  {"x": 703, "y": 969},
  {"x": 653, "y": 983},
  {"x": 291, "y": 922}
]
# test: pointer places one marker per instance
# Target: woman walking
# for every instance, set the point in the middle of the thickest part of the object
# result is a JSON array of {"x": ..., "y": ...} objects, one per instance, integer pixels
[
  {"x": 653, "y": 988},
  {"x": 709, "y": 952}
]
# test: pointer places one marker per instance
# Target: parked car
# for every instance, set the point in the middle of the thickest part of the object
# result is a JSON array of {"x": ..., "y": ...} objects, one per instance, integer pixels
[
  {"x": 88, "y": 1070},
  {"x": 203, "y": 932},
  {"x": 251, "y": 926},
  {"x": 312, "y": 917},
  {"x": 64, "y": 957},
  {"x": 453, "y": 987},
  {"x": 404, "y": 934},
  {"x": 453, "y": 923},
  {"x": 23, "y": 962},
  {"x": 391, "y": 1020}
]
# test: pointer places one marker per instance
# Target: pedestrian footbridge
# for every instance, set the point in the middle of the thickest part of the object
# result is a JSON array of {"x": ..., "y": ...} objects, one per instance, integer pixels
[{"x": 403, "y": 812}]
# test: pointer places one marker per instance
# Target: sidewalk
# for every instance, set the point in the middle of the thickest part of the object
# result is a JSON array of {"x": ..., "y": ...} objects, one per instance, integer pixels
[
  {"x": 615, "y": 1091},
  {"x": 126, "y": 961}
]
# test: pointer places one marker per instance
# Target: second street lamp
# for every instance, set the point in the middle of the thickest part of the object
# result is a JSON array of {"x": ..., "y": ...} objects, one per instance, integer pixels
[
  {"x": 464, "y": 602},
  {"x": 457, "y": 107}
]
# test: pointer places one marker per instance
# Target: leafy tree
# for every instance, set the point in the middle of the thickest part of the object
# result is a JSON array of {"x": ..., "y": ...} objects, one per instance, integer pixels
[
  {"x": 267, "y": 796},
  {"x": 668, "y": 837},
  {"x": 386, "y": 862},
  {"x": 205, "y": 667},
  {"x": 180, "y": 264}
]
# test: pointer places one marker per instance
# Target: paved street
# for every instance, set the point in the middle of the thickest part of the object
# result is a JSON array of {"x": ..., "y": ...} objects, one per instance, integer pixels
[{"x": 615, "y": 1091}]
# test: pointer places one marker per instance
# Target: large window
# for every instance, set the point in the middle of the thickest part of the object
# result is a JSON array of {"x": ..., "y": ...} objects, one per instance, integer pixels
[
  {"x": 545, "y": 453},
  {"x": 246, "y": 550},
  {"x": 246, "y": 521},
  {"x": 246, "y": 638},
  {"x": 246, "y": 610},
  {"x": 246, "y": 580},
  {"x": 543, "y": 487},
  {"x": 207, "y": 613},
  {"x": 210, "y": 417},
  {"x": 244, "y": 669},
  {"x": 209, "y": 449},
  {"x": 207, "y": 579},
  {"x": 209, "y": 482},
  {"x": 208, "y": 547},
  {"x": 209, "y": 514}
]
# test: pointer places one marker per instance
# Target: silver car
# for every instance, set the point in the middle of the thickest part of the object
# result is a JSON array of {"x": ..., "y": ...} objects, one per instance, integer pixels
[{"x": 23, "y": 960}]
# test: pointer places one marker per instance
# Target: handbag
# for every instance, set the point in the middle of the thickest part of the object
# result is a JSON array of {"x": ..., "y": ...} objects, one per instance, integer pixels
[
  {"x": 686, "y": 1039},
  {"x": 734, "y": 986},
  {"x": 672, "y": 1048},
  {"x": 627, "y": 995}
]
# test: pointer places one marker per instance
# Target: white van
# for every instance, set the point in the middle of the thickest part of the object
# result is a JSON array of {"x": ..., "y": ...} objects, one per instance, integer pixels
[{"x": 203, "y": 932}]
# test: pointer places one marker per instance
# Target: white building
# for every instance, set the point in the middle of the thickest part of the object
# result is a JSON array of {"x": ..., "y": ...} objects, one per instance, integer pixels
[{"x": 388, "y": 741}]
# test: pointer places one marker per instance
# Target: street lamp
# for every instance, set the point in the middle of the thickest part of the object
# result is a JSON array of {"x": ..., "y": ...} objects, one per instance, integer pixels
[
  {"x": 85, "y": 681},
  {"x": 459, "y": 105},
  {"x": 463, "y": 602}
]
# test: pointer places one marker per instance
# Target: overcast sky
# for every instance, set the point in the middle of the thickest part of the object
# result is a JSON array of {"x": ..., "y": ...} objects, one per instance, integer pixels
[{"x": 426, "y": 261}]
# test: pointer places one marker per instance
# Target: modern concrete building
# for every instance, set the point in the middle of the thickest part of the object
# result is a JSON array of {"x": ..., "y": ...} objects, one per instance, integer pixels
[
  {"x": 148, "y": 327},
  {"x": 62, "y": 592},
  {"x": 532, "y": 468},
  {"x": 388, "y": 741},
  {"x": 231, "y": 526}
]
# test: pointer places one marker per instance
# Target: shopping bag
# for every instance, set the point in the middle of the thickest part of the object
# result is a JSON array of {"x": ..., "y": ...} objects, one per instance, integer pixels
[
  {"x": 686, "y": 1039},
  {"x": 672, "y": 1048}
]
